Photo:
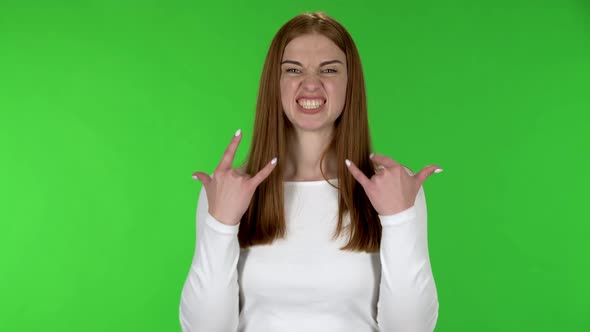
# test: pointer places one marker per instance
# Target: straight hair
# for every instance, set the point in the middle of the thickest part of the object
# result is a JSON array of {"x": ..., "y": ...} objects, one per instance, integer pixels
[{"x": 264, "y": 220}]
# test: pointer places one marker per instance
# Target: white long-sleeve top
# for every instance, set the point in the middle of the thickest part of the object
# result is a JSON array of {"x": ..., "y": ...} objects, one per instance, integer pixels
[{"x": 304, "y": 282}]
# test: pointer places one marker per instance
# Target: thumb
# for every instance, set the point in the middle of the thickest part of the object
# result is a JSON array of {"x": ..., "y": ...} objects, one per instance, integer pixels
[
  {"x": 203, "y": 177},
  {"x": 425, "y": 173},
  {"x": 264, "y": 172}
]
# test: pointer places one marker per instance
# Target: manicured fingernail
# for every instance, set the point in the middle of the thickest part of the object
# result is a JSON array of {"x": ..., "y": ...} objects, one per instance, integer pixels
[
  {"x": 195, "y": 177},
  {"x": 238, "y": 132},
  {"x": 371, "y": 156},
  {"x": 438, "y": 170},
  {"x": 347, "y": 162},
  {"x": 274, "y": 160}
]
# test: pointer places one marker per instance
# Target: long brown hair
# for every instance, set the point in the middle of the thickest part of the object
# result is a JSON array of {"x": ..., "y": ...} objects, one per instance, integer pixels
[{"x": 264, "y": 221}]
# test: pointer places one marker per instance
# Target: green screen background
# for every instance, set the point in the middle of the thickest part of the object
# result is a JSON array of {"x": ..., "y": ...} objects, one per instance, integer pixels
[{"x": 108, "y": 107}]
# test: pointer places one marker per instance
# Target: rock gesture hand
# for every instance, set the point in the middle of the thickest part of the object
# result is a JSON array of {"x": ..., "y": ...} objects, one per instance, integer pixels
[
  {"x": 228, "y": 191},
  {"x": 391, "y": 189}
]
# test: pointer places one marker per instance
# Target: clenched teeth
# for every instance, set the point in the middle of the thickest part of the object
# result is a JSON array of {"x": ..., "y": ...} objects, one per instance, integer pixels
[{"x": 310, "y": 103}]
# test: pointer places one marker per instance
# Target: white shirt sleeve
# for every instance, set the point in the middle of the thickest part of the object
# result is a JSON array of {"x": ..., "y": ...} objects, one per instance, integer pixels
[
  {"x": 408, "y": 299},
  {"x": 210, "y": 295}
]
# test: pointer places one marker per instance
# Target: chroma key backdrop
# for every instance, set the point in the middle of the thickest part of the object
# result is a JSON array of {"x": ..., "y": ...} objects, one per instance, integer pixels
[{"x": 108, "y": 107}]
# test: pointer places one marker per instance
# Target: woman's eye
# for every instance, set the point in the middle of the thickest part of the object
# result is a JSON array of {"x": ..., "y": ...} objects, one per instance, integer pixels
[{"x": 295, "y": 70}]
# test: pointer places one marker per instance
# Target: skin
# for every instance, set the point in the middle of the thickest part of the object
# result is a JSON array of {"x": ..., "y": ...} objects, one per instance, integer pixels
[
  {"x": 313, "y": 132},
  {"x": 392, "y": 189}
]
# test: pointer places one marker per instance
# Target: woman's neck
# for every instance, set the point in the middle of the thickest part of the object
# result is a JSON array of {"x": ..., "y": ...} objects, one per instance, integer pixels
[{"x": 304, "y": 155}]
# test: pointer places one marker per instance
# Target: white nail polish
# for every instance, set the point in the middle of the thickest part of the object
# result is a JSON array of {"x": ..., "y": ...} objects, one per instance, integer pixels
[
  {"x": 371, "y": 155},
  {"x": 347, "y": 162},
  {"x": 438, "y": 170},
  {"x": 238, "y": 132},
  {"x": 274, "y": 160}
]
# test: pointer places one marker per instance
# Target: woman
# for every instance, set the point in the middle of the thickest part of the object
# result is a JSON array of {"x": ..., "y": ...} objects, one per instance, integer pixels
[{"x": 309, "y": 242}]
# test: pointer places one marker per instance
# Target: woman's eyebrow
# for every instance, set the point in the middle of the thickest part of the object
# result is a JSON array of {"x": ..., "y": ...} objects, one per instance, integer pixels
[{"x": 321, "y": 64}]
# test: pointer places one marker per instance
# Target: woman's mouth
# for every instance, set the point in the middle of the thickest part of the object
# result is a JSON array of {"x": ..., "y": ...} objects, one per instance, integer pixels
[{"x": 311, "y": 106}]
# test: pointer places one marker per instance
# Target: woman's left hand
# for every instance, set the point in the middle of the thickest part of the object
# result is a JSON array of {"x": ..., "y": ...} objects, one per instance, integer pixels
[{"x": 391, "y": 189}]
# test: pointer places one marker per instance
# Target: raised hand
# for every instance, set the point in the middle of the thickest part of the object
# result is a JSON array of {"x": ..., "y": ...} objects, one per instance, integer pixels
[
  {"x": 229, "y": 192},
  {"x": 391, "y": 189}
]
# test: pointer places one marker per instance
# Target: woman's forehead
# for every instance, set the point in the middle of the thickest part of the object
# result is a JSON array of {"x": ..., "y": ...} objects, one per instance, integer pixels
[{"x": 312, "y": 47}]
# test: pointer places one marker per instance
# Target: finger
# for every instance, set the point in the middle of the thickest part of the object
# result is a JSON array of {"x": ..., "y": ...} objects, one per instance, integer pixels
[
  {"x": 408, "y": 170},
  {"x": 384, "y": 160},
  {"x": 425, "y": 173},
  {"x": 358, "y": 175},
  {"x": 263, "y": 173},
  {"x": 203, "y": 177},
  {"x": 228, "y": 156}
]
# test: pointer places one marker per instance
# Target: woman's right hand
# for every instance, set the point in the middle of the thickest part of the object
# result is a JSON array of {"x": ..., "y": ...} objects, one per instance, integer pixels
[{"x": 228, "y": 192}]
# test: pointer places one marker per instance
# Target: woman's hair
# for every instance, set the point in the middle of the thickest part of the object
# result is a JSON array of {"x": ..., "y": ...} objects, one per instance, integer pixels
[{"x": 264, "y": 221}]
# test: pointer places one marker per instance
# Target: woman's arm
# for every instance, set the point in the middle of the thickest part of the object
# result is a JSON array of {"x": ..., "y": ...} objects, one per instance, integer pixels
[
  {"x": 210, "y": 296},
  {"x": 408, "y": 299}
]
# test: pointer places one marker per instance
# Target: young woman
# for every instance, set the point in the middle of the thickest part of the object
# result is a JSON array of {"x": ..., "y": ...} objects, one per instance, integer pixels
[{"x": 313, "y": 233}]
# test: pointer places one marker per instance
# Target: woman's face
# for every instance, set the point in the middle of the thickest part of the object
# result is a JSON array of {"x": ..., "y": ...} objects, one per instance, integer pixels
[{"x": 313, "y": 82}]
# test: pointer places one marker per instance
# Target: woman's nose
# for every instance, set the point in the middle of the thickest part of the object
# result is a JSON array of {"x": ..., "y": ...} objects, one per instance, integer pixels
[{"x": 312, "y": 80}]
